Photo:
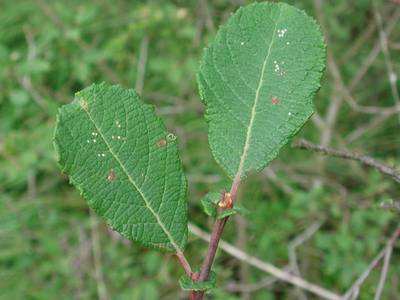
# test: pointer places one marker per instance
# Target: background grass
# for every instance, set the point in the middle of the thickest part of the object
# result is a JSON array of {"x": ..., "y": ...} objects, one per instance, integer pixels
[{"x": 52, "y": 247}]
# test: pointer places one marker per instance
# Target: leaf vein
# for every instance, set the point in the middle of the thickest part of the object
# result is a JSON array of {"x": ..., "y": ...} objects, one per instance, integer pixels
[
  {"x": 146, "y": 201},
  {"x": 255, "y": 102}
]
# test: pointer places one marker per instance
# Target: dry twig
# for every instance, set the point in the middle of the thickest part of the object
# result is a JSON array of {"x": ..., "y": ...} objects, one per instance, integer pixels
[
  {"x": 366, "y": 160},
  {"x": 388, "y": 62},
  {"x": 266, "y": 267},
  {"x": 392, "y": 22},
  {"x": 385, "y": 269},
  {"x": 141, "y": 69},
  {"x": 354, "y": 289},
  {"x": 296, "y": 242},
  {"x": 98, "y": 269}
]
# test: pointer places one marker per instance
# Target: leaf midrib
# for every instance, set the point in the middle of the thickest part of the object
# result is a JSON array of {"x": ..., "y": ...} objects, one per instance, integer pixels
[
  {"x": 254, "y": 108},
  {"x": 146, "y": 201}
]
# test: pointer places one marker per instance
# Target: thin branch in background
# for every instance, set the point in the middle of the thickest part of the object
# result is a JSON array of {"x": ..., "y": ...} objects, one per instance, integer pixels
[
  {"x": 361, "y": 41},
  {"x": 318, "y": 121},
  {"x": 271, "y": 175},
  {"x": 266, "y": 267},
  {"x": 252, "y": 287},
  {"x": 81, "y": 259},
  {"x": 336, "y": 99},
  {"x": 357, "y": 78},
  {"x": 384, "y": 272},
  {"x": 30, "y": 41},
  {"x": 171, "y": 110},
  {"x": 394, "y": 45},
  {"x": 391, "y": 205},
  {"x": 241, "y": 243},
  {"x": 362, "y": 129},
  {"x": 366, "y": 160},
  {"x": 207, "y": 179},
  {"x": 26, "y": 84},
  {"x": 25, "y": 81},
  {"x": 334, "y": 70},
  {"x": 142, "y": 61},
  {"x": 355, "y": 288},
  {"x": 204, "y": 21},
  {"x": 98, "y": 268},
  {"x": 296, "y": 242},
  {"x": 330, "y": 119},
  {"x": 159, "y": 97},
  {"x": 32, "y": 185},
  {"x": 196, "y": 40},
  {"x": 206, "y": 15},
  {"x": 388, "y": 62}
]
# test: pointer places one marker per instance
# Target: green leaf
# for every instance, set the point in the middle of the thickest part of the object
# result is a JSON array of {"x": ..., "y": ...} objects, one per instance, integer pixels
[
  {"x": 257, "y": 80},
  {"x": 236, "y": 209},
  {"x": 118, "y": 153},
  {"x": 187, "y": 284},
  {"x": 210, "y": 202},
  {"x": 210, "y": 207}
]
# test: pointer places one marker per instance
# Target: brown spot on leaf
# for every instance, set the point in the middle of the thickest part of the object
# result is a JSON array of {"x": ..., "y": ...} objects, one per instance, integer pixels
[
  {"x": 274, "y": 100},
  {"x": 111, "y": 175},
  {"x": 161, "y": 143}
]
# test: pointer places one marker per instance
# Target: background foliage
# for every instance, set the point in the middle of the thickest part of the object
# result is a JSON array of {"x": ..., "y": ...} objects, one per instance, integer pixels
[{"x": 52, "y": 247}]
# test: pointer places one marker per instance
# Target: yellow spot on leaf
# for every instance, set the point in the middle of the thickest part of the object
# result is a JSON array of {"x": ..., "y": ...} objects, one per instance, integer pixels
[{"x": 84, "y": 104}]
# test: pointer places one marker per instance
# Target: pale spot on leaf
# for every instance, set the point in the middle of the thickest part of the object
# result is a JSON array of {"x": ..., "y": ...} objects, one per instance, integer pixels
[
  {"x": 111, "y": 176},
  {"x": 171, "y": 137},
  {"x": 116, "y": 168},
  {"x": 84, "y": 104}
]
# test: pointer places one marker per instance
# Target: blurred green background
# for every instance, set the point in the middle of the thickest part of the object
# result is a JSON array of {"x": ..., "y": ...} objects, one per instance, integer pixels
[{"x": 52, "y": 247}]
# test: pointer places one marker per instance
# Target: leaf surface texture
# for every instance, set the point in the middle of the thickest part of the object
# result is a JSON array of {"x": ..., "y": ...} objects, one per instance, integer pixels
[
  {"x": 257, "y": 80},
  {"x": 118, "y": 153}
]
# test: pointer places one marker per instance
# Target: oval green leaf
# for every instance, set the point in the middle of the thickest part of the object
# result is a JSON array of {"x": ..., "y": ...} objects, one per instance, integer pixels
[
  {"x": 257, "y": 81},
  {"x": 118, "y": 153}
]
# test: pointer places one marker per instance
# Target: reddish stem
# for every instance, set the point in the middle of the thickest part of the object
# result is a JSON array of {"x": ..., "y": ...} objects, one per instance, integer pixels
[
  {"x": 184, "y": 263},
  {"x": 216, "y": 234}
]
